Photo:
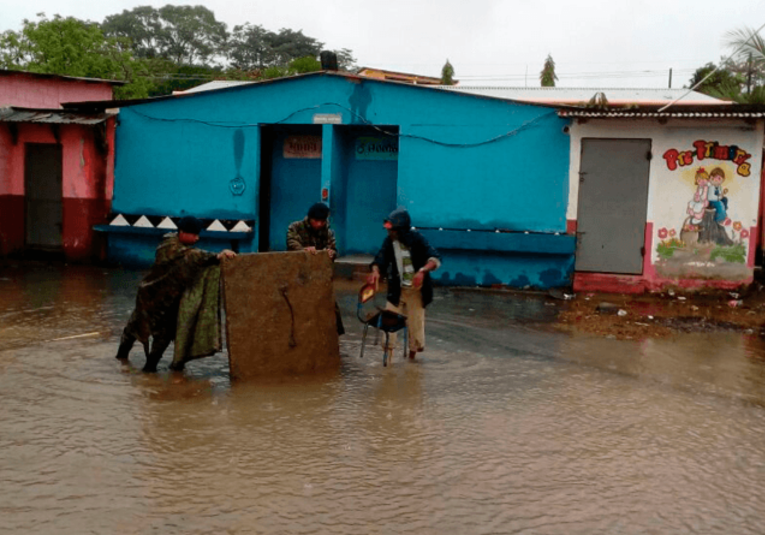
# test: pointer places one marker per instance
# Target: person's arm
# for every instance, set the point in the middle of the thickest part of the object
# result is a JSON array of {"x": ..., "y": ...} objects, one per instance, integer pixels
[
  {"x": 433, "y": 263},
  {"x": 331, "y": 244},
  {"x": 378, "y": 265},
  {"x": 294, "y": 239}
]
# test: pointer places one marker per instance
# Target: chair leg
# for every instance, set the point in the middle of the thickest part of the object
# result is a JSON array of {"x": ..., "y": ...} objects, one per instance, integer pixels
[
  {"x": 385, "y": 350},
  {"x": 364, "y": 339},
  {"x": 406, "y": 342}
]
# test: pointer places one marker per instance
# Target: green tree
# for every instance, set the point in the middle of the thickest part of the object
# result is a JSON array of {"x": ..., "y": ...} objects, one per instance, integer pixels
[
  {"x": 447, "y": 74},
  {"x": 183, "y": 34},
  {"x": 719, "y": 83},
  {"x": 253, "y": 47},
  {"x": 548, "y": 76},
  {"x": 72, "y": 47},
  {"x": 748, "y": 56}
]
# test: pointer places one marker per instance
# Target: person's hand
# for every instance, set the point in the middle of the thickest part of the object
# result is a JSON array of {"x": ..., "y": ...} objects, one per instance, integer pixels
[
  {"x": 373, "y": 278},
  {"x": 418, "y": 278},
  {"x": 226, "y": 253},
  {"x": 332, "y": 253},
  {"x": 311, "y": 250}
]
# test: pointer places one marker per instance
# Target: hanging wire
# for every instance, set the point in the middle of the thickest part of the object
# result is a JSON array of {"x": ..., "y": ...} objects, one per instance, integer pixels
[
  {"x": 511, "y": 133},
  {"x": 713, "y": 71}
]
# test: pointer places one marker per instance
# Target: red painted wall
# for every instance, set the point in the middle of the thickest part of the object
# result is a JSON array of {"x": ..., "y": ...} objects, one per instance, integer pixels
[
  {"x": 87, "y": 184},
  {"x": 27, "y": 90}
]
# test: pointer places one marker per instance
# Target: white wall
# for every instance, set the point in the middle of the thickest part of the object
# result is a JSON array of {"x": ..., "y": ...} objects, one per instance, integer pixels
[{"x": 670, "y": 191}]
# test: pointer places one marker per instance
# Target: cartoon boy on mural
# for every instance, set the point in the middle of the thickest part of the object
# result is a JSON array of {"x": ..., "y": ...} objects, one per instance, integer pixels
[{"x": 716, "y": 195}]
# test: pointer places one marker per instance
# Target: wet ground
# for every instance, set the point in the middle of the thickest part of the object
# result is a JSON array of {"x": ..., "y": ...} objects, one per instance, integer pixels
[{"x": 512, "y": 421}]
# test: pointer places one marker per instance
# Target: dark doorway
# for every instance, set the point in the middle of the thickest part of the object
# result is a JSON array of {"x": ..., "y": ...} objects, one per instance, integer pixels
[
  {"x": 43, "y": 196},
  {"x": 290, "y": 180}
]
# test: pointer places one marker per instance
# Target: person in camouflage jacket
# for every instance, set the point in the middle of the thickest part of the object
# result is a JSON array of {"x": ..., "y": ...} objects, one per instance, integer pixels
[
  {"x": 176, "y": 267},
  {"x": 312, "y": 233}
]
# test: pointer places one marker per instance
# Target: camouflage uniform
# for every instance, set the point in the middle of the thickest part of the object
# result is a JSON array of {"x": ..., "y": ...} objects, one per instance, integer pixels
[
  {"x": 176, "y": 268},
  {"x": 300, "y": 235}
]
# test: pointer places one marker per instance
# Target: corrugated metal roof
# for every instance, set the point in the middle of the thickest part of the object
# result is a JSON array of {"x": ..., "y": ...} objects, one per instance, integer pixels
[
  {"x": 569, "y": 96},
  {"x": 7, "y": 72},
  {"x": 29, "y": 115},
  {"x": 211, "y": 86},
  {"x": 671, "y": 113}
]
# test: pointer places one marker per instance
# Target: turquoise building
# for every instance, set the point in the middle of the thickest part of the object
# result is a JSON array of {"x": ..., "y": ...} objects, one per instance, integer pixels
[{"x": 485, "y": 179}]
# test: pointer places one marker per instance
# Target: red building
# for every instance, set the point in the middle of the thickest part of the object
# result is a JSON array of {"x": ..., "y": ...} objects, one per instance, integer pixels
[{"x": 56, "y": 166}]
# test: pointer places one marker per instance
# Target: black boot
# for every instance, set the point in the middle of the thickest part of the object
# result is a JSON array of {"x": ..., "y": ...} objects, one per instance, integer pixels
[
  {"x": 126, "y": 344},
  {"x": 151, "y": 363},
  {"x": 158, "y": 346}
]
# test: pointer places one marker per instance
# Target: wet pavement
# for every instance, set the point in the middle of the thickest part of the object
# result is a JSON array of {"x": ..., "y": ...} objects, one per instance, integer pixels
[{"x": 504, "y": 425}]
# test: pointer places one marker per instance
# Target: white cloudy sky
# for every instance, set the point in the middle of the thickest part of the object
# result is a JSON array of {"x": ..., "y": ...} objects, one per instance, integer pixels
[{"x": 595, "y": 43}]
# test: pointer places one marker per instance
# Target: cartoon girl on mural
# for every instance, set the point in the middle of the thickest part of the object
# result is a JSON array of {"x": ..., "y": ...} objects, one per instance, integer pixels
[{"x": 700, "y": 201}]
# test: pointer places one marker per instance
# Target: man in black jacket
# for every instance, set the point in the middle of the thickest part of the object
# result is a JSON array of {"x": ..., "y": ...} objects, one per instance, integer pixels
[{"x": 407, "y": 259}]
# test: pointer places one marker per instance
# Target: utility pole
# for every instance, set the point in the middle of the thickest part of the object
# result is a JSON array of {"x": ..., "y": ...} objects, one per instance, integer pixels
[{"x": 670, "y": 77}]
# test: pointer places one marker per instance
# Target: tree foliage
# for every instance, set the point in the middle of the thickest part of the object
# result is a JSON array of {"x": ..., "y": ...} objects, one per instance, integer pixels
[
  {"x": 739, "y": 78},
  {"x": 160, "y": 50},
  {"x": 548, "y": 76},
  {"x": 447, "y": 74},
  {"x": 71, "y": 47},
  {"x": 181, "y": 34}
]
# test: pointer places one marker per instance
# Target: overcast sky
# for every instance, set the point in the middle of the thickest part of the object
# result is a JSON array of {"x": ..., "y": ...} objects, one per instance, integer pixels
[{"x": 595, "y": 43}]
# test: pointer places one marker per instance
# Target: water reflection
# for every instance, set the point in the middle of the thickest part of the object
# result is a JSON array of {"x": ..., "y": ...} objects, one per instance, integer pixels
[{"x": 499, "y": 427}]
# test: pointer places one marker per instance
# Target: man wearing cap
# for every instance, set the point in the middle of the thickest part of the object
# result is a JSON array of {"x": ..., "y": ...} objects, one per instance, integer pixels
[
  {"x": 177, "y": 266},
  {"x": 312, "y": 234},
  {"x": 407, "y": 259}
]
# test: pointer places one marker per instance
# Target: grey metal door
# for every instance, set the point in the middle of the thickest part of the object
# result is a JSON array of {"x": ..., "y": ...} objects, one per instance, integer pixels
[
  {"x": 613, "y": 198},
  {"x": 43, "y": 195}
]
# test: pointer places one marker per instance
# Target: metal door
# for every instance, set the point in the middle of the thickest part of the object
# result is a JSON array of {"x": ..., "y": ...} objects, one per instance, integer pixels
[
  {"x": 43, "y": 195},
  {"x": 613, "y": 198}
]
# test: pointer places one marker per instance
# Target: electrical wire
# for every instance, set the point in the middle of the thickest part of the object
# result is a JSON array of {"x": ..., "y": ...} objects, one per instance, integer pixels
[{"x": 511, "y": 133}]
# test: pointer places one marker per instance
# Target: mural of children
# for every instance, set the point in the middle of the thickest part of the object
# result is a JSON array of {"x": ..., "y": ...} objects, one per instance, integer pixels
[
  {"x": 700, "y": 200},
  {"x": 716, "y": 195}
]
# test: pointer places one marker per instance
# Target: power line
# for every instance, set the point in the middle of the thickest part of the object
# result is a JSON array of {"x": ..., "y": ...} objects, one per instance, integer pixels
[{"x": 723, "y": 62}]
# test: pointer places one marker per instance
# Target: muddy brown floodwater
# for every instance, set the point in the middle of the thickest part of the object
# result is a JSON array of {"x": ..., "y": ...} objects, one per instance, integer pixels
[{"x": 512, "y": 421}]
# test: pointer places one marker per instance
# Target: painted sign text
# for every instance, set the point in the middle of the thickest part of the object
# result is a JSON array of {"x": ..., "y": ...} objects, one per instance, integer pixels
[{"x": 709, "y": 149}]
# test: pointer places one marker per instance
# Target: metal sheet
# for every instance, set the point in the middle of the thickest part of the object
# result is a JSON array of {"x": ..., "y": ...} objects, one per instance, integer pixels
[
  {"x": 280, "y": 318},
  {"x": 613, "y": 199},
  {"x": 21, "y": 115}
]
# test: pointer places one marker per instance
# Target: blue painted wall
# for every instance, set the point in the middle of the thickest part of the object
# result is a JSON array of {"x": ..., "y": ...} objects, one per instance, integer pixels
[
  {"x": 464, "y": 162},
  {"x": 295, "y": 186},
  {"x": 365, "y": 193}
]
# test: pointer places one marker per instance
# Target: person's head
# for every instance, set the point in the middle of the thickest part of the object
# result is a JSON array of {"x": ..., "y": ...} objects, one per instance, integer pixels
[
  {"x": 189, "y": 228},
  {"x": 717, "y": 176},
  {"x": 317, "y": 215},
  {"x": 397, "y": 223},
  {"x": 701, "y": 176}
]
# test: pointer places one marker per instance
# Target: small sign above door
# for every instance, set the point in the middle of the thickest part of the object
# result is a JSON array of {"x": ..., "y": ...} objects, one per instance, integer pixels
[
  {"x": 306, "y": 147},
  {"x": 376, "y": 148},
  {"x": 327, "y": 118}
]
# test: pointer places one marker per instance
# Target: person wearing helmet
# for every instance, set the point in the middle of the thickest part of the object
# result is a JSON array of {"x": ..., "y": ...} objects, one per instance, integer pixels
[{"x": 407, "y": 259}]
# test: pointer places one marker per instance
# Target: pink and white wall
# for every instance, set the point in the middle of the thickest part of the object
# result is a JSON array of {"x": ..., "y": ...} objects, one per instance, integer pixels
[{"x": 87, "y": 161}]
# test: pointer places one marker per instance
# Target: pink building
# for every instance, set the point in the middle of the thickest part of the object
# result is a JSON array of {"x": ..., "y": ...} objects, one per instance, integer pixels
[{"x": 56, "y": 165}]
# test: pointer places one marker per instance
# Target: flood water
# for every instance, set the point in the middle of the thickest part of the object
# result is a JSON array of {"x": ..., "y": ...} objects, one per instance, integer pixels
[{"x": 504, "y": 425}]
